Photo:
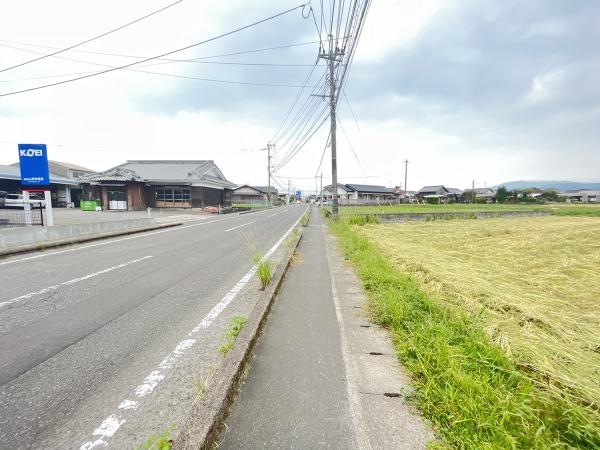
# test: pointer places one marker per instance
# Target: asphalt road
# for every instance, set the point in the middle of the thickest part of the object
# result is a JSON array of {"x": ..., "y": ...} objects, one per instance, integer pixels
[{"x": 106, "y": 343}]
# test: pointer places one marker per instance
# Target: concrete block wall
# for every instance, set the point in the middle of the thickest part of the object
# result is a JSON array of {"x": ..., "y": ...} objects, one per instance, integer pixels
[{"x": 15, "y": 237}]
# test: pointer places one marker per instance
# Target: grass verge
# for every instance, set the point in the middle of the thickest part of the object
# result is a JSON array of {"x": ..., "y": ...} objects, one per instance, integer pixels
[
  {"x": 467, "y": 387},
  {"x": 305, "y": 218}
]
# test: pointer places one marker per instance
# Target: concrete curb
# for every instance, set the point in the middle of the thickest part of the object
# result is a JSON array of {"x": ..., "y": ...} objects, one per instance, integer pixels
[
  {"x": 257, "y": 210},
  {"x": 203, "y": 426},
  {"x": 64, "y": 242}
]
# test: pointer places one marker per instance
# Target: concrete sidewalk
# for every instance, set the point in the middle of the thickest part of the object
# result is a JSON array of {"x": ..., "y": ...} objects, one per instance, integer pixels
[{"x": 313, "y": 382}]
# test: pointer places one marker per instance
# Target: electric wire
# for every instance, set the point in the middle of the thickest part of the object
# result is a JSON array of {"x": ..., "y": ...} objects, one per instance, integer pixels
[
  {"x": 147, "y": 72},
  {"x": 154, "y": 57},
  {"x": 93, "y": 38},
  {"x": 167, "y": 60}
]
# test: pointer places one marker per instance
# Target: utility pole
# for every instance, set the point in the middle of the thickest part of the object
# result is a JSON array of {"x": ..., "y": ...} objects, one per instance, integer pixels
[
  {"x": 405, "y": 178},
  {"x": 321, "y": 191},
  {"x": 332, "y": 57},
  {"x": 289, "y": 199},
  {"x": 269, "y": 173},
  {"x": 473, "y": 192}
]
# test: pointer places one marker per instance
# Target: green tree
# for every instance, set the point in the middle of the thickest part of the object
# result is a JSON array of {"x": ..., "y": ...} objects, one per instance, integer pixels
[{"x": 502, "y": 194}]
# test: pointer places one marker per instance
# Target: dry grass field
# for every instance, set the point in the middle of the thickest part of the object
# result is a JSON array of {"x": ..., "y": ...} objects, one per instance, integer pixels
[{"x": 534, "y": 282}]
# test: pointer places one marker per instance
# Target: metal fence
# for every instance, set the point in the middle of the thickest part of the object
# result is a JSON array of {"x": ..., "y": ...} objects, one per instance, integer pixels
[{"x": 20, "y": 216}]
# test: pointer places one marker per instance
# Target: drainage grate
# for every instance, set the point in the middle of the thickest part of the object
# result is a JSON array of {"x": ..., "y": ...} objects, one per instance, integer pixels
[
  {"x": 365, "y": 326},
  {"x": 375, "y": 353}
]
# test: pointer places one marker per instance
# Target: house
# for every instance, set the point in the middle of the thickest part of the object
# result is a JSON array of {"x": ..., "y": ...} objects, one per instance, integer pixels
[
  {"x": 581, "y": 196},
  {"x": 355, "y": 194},
  {"x": 138, "y": 184},
  {"x": 10, "y": 181},
  {"x": 246, "y": 194},
  {"x": 343, "y": 192},
  {"x": 440, "y": 194},
  {"x": 72, "y": 194},
  {"x": 487, "y": 194},
  {"x": 410, "y": 195}
]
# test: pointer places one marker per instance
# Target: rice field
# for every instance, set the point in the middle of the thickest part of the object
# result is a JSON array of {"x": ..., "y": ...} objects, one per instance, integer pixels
[
  {"x": 534, "y": 282},
  {"x": 557, "y": 209}
]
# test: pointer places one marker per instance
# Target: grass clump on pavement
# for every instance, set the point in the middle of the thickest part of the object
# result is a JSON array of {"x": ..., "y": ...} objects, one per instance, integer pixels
[
  {"x": 159, "y": 442},
  {"x": 264, "y": 269},
  {"x": 473, "y": 393},
  {"x": 235, "y": 327}
]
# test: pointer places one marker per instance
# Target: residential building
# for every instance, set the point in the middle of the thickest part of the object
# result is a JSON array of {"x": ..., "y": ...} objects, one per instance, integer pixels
[
  {"x": 246, "y": 194},
  {"x": 361, "y": 194},
  {"x": 410, "y": 195},
  {"x": 486, "y": 193},
  {"x": 581, "y": 196},
  {"x": 138, "y": 184},
  {"x": 440, "y": 194}
]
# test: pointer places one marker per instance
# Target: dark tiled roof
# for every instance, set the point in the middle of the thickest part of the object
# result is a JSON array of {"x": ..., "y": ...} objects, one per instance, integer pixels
[
  {"x": 370, "y": 188},
  {"x": 265, "y": 189}
]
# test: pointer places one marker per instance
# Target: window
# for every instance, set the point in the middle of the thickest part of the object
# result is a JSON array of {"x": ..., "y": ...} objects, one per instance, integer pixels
[{"x": 172, "y": 196}]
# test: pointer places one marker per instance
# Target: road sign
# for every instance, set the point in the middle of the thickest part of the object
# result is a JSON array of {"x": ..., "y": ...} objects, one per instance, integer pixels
[
  {"x": 298, "y": 194},
  {"x": 33, "y": 159}
]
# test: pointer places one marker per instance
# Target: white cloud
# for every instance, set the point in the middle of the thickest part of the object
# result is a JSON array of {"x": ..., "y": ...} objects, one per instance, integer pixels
[{"x": 394, "y": 24}]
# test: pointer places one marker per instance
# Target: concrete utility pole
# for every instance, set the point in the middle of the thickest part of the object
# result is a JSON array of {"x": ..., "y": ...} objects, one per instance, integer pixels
[
  {"x": 269, "y": 173},
  {"x": 321, "y": 190},
  {"x": 473, "y": 192},
  {"x": 332, "y": 57},
  {"x": 405, "y": 178},
  {"x": 289, "y": 194}
]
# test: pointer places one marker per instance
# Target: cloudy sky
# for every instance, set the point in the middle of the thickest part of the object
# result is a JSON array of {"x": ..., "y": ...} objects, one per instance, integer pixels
[{"x": 465, "y": 90}]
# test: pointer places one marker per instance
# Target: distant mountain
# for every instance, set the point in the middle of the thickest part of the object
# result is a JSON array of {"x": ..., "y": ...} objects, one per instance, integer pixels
[{"x": 558, "y": 185}]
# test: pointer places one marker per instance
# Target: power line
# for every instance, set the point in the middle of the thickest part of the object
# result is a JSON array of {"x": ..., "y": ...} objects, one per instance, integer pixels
[
  {"x": 169, "y": 60},
  {"x": 322, "y": 155},
  {"x": 296, "y": 100},
  {"x": 306, "y": 139},
  {"x": 142, "y": 71},
  {"x": 351, "y": 147},
  {"x": 157, "y": 56},
  {"x": 93, "y": 38}
]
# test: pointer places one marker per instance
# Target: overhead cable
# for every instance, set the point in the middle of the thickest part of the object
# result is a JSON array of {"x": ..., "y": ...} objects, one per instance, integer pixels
[
  {"x": 93, "y": 38},
  {"x": 214, "y": 38}
]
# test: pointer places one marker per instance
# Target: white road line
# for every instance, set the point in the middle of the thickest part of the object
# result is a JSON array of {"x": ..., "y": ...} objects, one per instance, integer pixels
[
  {"x": 239, "y": 226},
  {"x": 273, "y": 215},
  {"x": 73, "y": 281},
  {"x": 113, "y": 422},
  {"x": 97, "y": 244}
]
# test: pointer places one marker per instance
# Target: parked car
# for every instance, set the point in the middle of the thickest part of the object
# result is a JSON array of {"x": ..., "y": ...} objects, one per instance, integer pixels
[
  {"x": 3, "y": 195},
  {"x": 17, "y": 200}
]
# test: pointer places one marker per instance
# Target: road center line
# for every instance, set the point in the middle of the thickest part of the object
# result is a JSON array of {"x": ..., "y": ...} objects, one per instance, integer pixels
[
  {"x": 239, "y": 226},
  {"x": 273, "y": 215},
  {"x": 73, "y": 281},
  {"x": 113, "y": 422}
]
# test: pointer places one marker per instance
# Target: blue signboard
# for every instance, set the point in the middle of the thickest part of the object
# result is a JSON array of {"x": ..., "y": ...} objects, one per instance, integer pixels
[
  {"x": 298, "y": 194},
  {"x": 33, "y": 159}
]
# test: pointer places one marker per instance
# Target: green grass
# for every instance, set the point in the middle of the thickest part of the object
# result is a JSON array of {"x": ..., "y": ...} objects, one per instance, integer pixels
[
  {"x": 561, "y": 209},
  {"x": 305, "y": 218},
  {"x": 412, "y": 208},
  {"x": 577, "y": 210},
  {"x": 235, "y": 327},
  {"x": 264, "y": 269},
  {"x": 471, "y": 391},
  {"x": 250, "y": 205},
  {"x": 159, "y": 442}
]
